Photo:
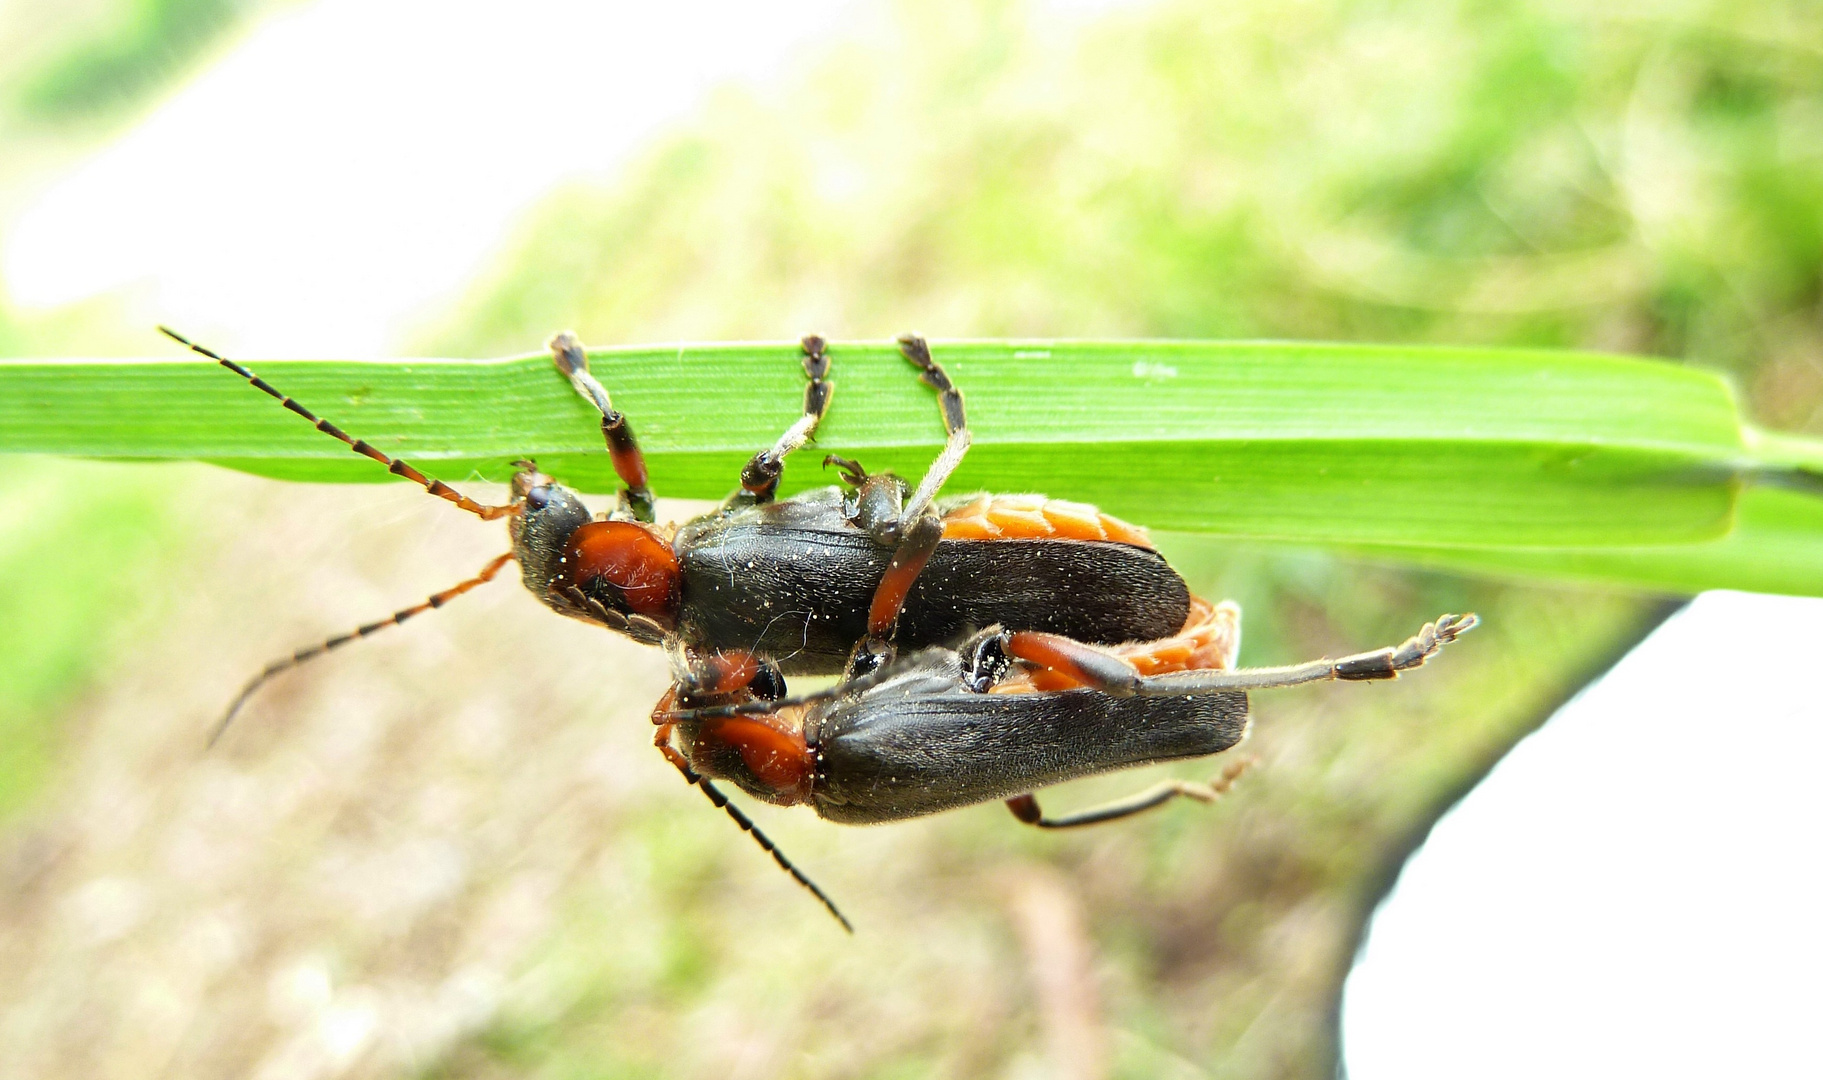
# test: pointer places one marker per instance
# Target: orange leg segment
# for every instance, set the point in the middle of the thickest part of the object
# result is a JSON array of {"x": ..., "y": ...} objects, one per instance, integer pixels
[
  {"x": 901, "y": 574},
  {"x": 1070, "y": 663}
]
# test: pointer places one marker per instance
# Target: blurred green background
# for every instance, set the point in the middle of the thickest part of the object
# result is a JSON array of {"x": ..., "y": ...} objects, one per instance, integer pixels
[{"x": 452, "y": 854}]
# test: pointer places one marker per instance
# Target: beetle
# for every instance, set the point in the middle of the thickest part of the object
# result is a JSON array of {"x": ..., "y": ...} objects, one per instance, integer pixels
[
  {"x": 1004, "y": 713},
  {"x": 829, "y": 581}
]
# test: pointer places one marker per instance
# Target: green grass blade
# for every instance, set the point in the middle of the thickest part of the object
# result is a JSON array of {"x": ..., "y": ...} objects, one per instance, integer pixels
[
  {"x": 1348, "y": 444},
  {"x": 1775, "y": 547}
]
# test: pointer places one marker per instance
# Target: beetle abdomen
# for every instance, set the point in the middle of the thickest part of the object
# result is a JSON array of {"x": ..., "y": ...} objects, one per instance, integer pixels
[
  {"x": 1096, "y": 592},
  {"x": 1014, "y": 517},
  {"x": 882, "y": 759},
  {"x": 800, "y": 596}
]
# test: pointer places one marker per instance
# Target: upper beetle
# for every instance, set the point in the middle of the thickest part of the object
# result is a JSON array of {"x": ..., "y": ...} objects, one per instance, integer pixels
[{"x": 828, "y": 580}]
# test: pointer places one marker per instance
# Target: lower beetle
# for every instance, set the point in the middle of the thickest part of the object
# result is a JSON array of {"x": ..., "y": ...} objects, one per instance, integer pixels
[{"x": 1003, "y": 714}]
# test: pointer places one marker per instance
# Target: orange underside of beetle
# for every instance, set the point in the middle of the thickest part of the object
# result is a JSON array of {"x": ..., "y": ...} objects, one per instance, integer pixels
[
  {"x": 1034, "y": 517},
  {"x": 1210, "y": 641}
]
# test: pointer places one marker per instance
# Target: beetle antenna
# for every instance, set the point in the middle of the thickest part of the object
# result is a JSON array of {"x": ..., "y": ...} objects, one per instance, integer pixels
[
  {"x": 393, "y": 465},
  {"x": 661, "y": 739},
  {"x": 765, "y": 842},
  {"x": 277, "y": 666}
]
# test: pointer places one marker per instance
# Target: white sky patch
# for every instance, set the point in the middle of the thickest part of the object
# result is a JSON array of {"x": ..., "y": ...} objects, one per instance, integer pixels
[
  {"x": 1635, "y": 889},
  {"x": 354, "y": 161},
  {"x": 353, "y": 164}
]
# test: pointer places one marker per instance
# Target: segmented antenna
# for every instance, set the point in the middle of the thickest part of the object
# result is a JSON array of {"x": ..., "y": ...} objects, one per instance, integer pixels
[
  {"x": 397, "y": 617},
  {"x": 393, "y": 465},
  {"x": 661, "y": 738},
  {"x": 746, "y": 823}
]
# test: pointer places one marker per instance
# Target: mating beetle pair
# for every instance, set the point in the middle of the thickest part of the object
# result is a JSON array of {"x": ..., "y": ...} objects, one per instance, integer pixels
[
  {"x": 820, "y": 583},
  {"x": 837, "y": 580}
]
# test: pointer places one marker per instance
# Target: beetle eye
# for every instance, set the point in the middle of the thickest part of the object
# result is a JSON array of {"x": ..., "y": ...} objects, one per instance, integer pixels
[{"x": 537, "y": 498}]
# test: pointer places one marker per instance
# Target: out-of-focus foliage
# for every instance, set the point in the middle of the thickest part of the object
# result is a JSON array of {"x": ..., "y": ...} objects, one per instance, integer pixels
[
  {"x": 61, "y": 66},
  {"x": 78, "y": 542},
  {"x": 75, "y": 579},
  {"x": 1645, "y": 179},
  {"x": 121, "y": 53}
]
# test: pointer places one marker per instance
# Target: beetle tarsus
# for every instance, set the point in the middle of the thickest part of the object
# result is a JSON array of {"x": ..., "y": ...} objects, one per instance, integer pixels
[
  {"x": 955, "y": 423},
  {"x": 1412, "y": 652},
  {"x": 1379, "y": 664},
  {"x": 629, "y": 461},
  {"x": 852, "y": 473},
  {"x": 760, "y": 476}
]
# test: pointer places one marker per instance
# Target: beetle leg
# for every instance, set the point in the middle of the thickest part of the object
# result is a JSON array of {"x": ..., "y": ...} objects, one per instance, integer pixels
[
  {"x": 661, "y": 738},
  {"x": 955, "y": 422},
  {"x": 916, "y": 529},
  {"x": 760, "y": 477},
  {"x": 852, "y": 473},
  {"x": 914, "y": 550},
  {"x": 1379, "y": 664},
  {"x": 1048, "y": 661},
  {"x": 713, "y": 676},
  {"x": 1063, "y": 663},
  {"x": 1026, "y": 808},
  {"x": 623, "y": 448},
  {"x": 1075, "y": 663},
  {"x": 668, "y": 711},
  {"x": 1210, "y": 639}
]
